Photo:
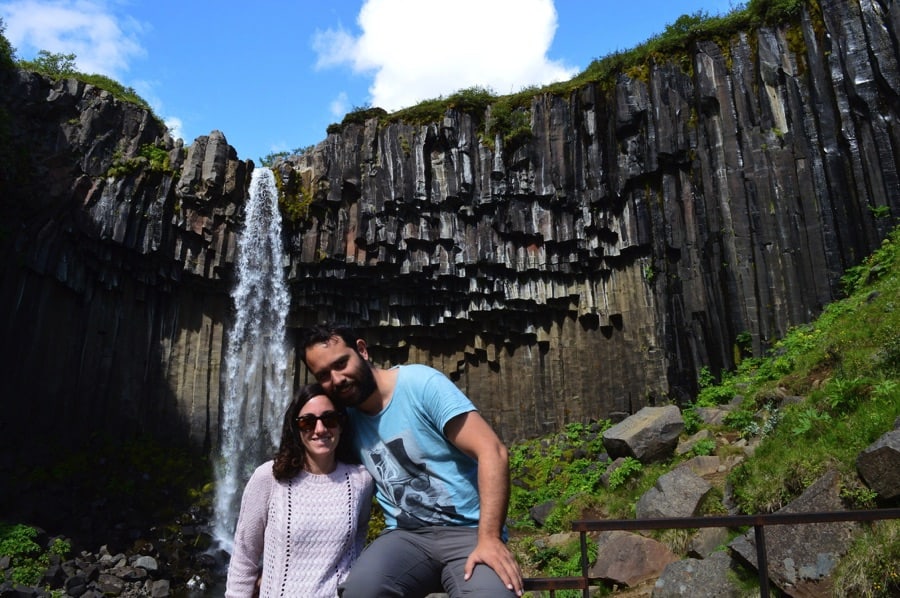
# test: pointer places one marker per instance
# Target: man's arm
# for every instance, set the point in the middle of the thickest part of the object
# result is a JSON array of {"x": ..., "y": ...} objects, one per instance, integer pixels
[{"x": 473, "y": 436}]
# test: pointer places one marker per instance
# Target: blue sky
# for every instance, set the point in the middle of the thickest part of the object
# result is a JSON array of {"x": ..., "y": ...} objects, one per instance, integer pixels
[{"x": 272, "y": 75}]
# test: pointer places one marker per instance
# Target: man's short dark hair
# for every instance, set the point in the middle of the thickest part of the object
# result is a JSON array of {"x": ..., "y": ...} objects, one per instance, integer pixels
[{"x": 321, "y": 333}]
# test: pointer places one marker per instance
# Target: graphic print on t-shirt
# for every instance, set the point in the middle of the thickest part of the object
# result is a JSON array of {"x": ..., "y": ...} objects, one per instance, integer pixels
[{"x": 420, "y": 497}]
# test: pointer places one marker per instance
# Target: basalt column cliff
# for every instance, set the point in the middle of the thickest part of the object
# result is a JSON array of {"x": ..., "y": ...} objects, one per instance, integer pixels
[{"x": 678, "y": 218}]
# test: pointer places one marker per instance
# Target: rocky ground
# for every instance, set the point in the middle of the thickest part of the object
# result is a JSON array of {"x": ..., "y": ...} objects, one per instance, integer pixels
[
  {"x": 176, "y": 560},
  {"x": 136, "y": 515}
]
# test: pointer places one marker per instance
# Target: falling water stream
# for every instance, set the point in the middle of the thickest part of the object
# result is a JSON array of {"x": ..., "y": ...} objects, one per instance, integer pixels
[{"x": 257, "y": 389}]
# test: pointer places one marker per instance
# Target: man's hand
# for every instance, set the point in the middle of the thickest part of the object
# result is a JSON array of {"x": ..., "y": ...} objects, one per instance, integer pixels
[{"x": 494, "y": 553}]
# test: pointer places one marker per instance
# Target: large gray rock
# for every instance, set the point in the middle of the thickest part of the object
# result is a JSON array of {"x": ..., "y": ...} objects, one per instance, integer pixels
[
  {"x": 629, "y": 559},
  {"x": 707, "y": 540},
  {"x": 879, "y": 466},
  {"x": 679, "y": 493},
  {"x": 698, "y": 578},
  {"x": 649, "y": 435},
  {"x": 801, "y": 558}
]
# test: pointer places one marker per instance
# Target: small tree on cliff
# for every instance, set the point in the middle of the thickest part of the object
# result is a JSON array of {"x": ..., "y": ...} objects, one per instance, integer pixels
[
  {"x": 7, "y": 52},
  {"x": 51, "y": 64}
]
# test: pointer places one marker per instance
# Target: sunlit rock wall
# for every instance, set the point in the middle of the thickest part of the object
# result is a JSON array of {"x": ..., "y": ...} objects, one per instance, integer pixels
[{"x": 640, "y": 235}]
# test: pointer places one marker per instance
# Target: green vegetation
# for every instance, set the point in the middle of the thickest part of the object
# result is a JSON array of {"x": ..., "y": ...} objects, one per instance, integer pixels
[
  {"x": 357, "y": 116},
  {"x": 510, "y": 121},
  {"x": 54, "y": 65},
  {"x": 872, "y": 567},
  {"x": 676, "y": 41},
  {"x": 150, "y": 157},
  {"x": 294, "y": 197},
  {"x": 845, "y": 370},
  {"x": 269, "y": 159},
  {"x": 58, "y": 65},
  {"x": 28, "y": 559},
  {"x": 295, "y": 207},
  {"x": 7, "y": 52}
]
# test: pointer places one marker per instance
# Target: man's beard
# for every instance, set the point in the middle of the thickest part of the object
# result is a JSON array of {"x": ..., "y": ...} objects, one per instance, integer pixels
[{"x": 362, "y": 385}]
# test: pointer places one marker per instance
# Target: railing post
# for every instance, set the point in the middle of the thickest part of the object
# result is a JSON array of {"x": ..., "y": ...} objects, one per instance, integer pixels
[
  {"x": 585, "y": 592},
  {"x": 762, "y": 564}
]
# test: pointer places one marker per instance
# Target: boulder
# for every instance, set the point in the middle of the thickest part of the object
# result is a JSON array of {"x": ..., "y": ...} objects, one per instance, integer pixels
[
  {"x": 629, "y": 559},
  {"x": 879, "y": 465},
  {"x": 679, "y": 493},
  {"x": 706, "y": 541},
  {"x": 540, "y": 512},
  {"x": 698, "y": 578},
  {"x": 160, "y": 589},
  {"x": 649, "y": 435}
]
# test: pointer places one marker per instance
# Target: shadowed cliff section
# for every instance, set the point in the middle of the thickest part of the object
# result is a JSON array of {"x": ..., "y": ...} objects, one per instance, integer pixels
[
  {"x": 114, "y": 289},
  {"x": 644, "y": 229}
]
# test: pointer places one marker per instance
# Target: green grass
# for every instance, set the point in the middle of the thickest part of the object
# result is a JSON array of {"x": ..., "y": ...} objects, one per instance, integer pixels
[
  {"x": 58, "y": 65},
  {"x": 152, "y": 158}
]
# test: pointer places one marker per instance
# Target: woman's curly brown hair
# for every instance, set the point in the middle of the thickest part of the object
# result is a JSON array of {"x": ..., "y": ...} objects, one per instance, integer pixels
[{"x": 291, "y": 455}]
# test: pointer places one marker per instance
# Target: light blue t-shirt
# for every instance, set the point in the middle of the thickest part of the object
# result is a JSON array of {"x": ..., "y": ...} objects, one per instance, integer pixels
[{"x": 421, "y": 479}]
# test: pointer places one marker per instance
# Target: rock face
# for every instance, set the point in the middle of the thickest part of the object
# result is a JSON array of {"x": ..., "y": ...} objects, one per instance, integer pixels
[
  {"x": 114, "y": 286},
  {"x": 641, "y": 230}
]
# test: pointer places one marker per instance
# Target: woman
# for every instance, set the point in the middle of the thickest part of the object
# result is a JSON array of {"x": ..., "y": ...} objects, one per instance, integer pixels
[{"x": 304, "y": 515}]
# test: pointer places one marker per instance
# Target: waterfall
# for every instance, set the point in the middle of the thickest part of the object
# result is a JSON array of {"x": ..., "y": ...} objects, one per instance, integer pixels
[{"x": 257, "y": 390}]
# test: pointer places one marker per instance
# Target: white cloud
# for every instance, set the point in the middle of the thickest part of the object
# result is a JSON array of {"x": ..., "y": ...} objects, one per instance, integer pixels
[
  {"x": 102, "y": 43},
  {"x": 333, "y": 47},
  {"x": 339, "y": 105},
  {"x": 175, "y": 126},
  {"x": 422, "y": 49}
]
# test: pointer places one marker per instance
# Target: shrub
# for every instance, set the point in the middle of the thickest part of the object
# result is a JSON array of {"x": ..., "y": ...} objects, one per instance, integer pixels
[
  {"x": 28, "y": 562},
  {"x": 155, "y": 158},
  {"x": 360, "y": 114},
  {"x": 706, "y": 446},
  {"x": 7, "y": 52},
  {"x": 629, "y": 467},
  {"x": 512, "y": 123}
]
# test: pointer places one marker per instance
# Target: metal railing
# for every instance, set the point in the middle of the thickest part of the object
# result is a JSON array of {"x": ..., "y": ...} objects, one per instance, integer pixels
[{"x": 759, "y": 522}]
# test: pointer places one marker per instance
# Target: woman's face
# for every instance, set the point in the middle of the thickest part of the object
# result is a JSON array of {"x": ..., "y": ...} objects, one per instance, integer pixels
[{"x": 320, "y": 427}]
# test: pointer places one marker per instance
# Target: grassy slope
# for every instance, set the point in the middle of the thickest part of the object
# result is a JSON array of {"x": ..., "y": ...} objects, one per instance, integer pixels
[{"x": 846, "y": 368}]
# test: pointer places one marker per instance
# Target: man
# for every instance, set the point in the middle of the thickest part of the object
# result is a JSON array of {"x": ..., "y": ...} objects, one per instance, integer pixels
[{"x": 441, "y": 474}]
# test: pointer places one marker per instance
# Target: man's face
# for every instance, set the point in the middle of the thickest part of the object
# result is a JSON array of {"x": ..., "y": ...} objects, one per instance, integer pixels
[{"x": 342, "y": 371}]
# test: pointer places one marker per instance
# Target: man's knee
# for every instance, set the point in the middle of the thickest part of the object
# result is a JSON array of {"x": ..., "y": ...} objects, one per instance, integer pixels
[{"x": 356, "y": 586}]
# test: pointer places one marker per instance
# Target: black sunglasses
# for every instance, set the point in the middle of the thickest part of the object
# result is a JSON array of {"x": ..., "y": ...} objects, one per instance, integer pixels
[{"x": 331, "y": 419}]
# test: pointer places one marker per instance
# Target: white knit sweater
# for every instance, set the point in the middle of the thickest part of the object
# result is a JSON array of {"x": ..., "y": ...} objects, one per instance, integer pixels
[{"x": 303, "y": 534}]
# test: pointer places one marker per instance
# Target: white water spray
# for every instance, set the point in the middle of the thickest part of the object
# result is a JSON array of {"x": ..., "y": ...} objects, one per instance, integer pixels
[{"x": 256, "y": 387}]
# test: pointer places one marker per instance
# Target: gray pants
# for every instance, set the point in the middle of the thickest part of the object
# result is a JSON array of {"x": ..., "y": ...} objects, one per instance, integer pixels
[{"x": 415, "y": 563}]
